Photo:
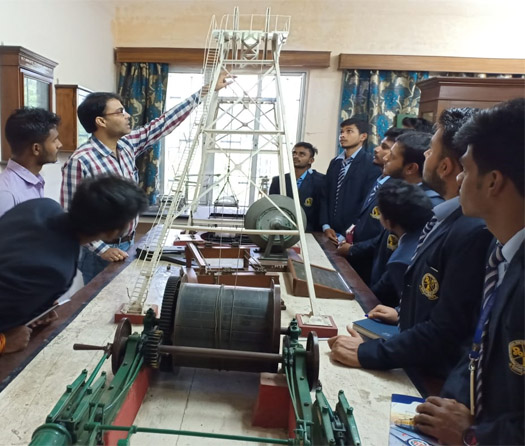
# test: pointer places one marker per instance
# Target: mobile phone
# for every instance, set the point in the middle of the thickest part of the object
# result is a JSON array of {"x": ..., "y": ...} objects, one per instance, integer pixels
[{"x": 45, "y": 313}]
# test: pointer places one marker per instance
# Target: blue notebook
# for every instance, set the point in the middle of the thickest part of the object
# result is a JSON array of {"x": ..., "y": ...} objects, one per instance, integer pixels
[
  {"x": 402, "y": 430},
  {"x": 373, "y": 329}
]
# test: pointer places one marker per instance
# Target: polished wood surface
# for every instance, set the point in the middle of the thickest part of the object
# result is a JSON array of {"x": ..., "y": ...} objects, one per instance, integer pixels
[
  {"x": 68, "y": 98},
  {"x": 363, "y": 294},
  {"x": 16, "y": 63},
  {"x": 440, "y": 93},
  {"x": 194, "y": 57},
  {"x": 431, "y": 63}
]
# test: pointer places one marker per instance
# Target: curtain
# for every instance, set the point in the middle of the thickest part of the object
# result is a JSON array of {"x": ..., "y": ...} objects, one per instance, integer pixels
[
  {"x": 142, "y": 87},
  {"x": 377, "y": 96}
]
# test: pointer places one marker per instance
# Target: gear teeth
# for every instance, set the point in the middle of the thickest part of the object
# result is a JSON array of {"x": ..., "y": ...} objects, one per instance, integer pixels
[
  {"x": 168, "y": 308},
  {"x": 151, "y": 349}
]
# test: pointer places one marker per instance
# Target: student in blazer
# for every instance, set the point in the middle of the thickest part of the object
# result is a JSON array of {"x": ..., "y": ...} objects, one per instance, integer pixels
[
  {"x": 355, "y": 166},
  {"x": 492, "y": 188},
  {"x": 484, "y": 396},
  {"x": 444, "y": 281},
  {"x": 309, "y": 182}
]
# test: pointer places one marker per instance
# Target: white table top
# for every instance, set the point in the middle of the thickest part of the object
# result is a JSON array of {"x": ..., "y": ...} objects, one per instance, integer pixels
[{"x": 200, "y": 400}]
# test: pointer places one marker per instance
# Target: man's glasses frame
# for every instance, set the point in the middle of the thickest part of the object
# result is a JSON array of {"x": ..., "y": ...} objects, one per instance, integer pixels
[{"x": 120, "y": 111}]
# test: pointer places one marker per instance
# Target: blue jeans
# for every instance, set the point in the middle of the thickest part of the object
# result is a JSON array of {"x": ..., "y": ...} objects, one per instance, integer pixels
[{"x": 90, "y": 264}]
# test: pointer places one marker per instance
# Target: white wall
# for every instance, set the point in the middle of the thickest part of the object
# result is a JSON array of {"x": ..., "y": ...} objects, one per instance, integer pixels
[
  {"x": 463, "y": 28},
  {"x": 80, "y": 35},
  {"x": 75, "y": 33}
]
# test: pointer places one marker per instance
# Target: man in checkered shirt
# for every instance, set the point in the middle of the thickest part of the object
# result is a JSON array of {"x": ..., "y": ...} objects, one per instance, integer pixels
[{"x": 113, "y": 149}]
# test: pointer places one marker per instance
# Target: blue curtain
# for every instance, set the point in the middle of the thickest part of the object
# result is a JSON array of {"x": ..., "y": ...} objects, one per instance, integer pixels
[
  {"x": 377, "y": 96},
  {"x": 142, "y": 87}
]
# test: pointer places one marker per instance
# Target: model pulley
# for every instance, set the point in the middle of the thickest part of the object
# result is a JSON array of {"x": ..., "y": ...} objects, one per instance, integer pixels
[{"x": 277, "y": 212}]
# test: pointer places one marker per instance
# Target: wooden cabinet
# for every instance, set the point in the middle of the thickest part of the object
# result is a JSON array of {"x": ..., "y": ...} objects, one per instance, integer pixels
[
  {"x": 439, "y": 93},
  {"x": 26, "y": 79},
  {"x": 71, "y": 132}
]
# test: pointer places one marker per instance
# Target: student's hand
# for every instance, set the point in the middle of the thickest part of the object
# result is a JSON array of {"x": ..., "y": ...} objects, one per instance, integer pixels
[
  {"x": 344, "y": 248},
  {"x": 384, "y": 314},
  {"x": 46, "y": 320},
  {"x": 444, "y": 419},
  {"x": 344, "y": 348},
  {"x": 114, "y": 255},
  {"x": 17, "y": 339},
  {"x": 332, "y": 236}
]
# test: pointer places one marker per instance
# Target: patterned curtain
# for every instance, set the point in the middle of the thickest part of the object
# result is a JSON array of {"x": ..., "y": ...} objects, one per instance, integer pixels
[
  {"x": 142, "y": 87},
  {"x": 377, "y": 96}
]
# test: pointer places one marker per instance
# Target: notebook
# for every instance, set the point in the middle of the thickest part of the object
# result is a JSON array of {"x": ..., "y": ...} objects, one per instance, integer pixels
[{"x": 373, "y": 329}]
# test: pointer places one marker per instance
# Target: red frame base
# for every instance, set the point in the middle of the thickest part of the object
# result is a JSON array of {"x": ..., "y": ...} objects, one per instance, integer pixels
[
  {"x": 130, "y": 407},
  {"x": 135, "y": 319},
  {"x": 323, "y": 331},
  {"x": 273, "y": 408}
]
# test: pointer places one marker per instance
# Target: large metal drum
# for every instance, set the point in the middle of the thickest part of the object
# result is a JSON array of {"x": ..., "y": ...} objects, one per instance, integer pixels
[{"x": 230, "y": 318}]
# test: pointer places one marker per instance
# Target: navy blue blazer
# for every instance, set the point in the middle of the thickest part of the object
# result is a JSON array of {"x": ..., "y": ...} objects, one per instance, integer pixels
[
  {"x": 503, "y": 373},
  {"x": 368, "y": 225},
  {"x": 400, "y": 259},
  {"x": 441, "y": 294},
  {"x": 368, "y": 255},
  {"x": 311, "y": 194},
  {"x": 435, "y": 198},
  {"x": 381, "y": 282},
  {"x": 38, "y": 260},
  {"x": 357, "y": 183}
]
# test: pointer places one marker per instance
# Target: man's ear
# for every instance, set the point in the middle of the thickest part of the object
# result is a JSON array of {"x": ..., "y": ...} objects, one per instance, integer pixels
[
  {"x": 446, "y": 167},
  {"x": 100, "y": 121},
  {"x": 363, "y": 137},
  {"x": 496, "y": 183},
  {"x": 36, "y": 148},
  {"x": 412, "y": 169}
]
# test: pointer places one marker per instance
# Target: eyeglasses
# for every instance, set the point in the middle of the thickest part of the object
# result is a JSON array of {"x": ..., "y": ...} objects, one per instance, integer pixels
[{"x": 120, "y": 111}]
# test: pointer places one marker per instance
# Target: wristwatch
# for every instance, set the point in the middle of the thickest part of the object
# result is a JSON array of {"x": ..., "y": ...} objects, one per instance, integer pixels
[{"x": 469, "y": 437}]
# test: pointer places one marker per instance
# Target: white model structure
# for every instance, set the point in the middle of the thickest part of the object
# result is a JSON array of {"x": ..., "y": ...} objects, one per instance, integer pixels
[{"x": 240, "y": 44}]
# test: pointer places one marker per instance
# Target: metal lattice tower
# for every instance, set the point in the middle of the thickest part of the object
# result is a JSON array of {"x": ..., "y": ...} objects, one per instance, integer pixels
[{"x": 239, "y": 44}]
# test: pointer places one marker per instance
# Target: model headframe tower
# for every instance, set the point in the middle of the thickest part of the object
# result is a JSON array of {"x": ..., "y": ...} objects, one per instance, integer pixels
[{"x": 240, "y": 44}]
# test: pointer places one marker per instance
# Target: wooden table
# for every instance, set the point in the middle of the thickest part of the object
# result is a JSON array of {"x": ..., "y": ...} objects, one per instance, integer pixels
[{"x": 201, "y": 400}]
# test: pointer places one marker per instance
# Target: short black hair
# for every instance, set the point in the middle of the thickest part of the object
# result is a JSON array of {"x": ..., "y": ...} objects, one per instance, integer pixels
[
  {"x": 418, "y": 124},
  {"x": 450, "y": 121},
  {"x": 92, "y": 107},
  {"x": 414, "y": 144},
  {"x": 361, "y": 124},
  {"x": 497, "y": 139},
  {"x": 404, "y": 204},
  {"x": 27, "y": 126},
  {"x": 394, "y": 132},
  {"x": 105, "y": 203},
  {"x": 313, "y": 151}
]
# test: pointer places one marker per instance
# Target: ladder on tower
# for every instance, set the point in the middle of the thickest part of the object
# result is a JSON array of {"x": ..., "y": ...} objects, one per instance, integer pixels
[{"x": 232, "y": 47}]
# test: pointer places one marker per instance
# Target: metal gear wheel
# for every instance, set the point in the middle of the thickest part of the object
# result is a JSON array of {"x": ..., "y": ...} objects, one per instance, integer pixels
[
  {"x": 167, "y": 310},
  {"x": 150, "y": 349}
]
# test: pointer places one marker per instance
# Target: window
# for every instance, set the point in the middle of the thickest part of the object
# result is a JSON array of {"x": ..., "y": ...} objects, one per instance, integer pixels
[{"x": 261, "y": 167}]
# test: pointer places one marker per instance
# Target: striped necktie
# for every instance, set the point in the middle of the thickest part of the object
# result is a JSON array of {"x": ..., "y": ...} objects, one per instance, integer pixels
[
  {"x": 340, "y": 179},
  {"x": 489, "y": 288},
  {"x": 373, "y": 193},
  {"x": 426, "y": 230}
]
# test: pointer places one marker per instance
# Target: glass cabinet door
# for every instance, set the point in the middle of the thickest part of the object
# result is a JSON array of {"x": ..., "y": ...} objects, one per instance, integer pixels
[{"x": 36, "y": 93}]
